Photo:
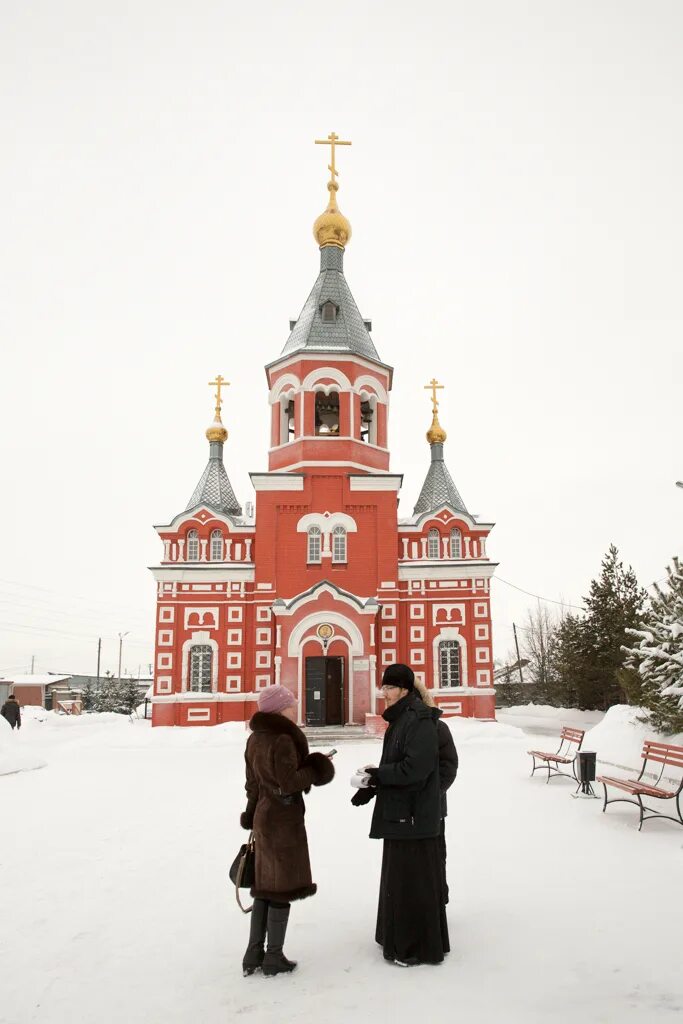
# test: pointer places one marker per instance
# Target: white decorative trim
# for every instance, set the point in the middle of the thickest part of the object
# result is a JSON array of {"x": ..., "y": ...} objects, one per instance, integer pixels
[
  {"x": 417, "y": 634},
  {"x": 197, "y": 638},
  {"x": 481, "y": 610},
  {"x": 388, "y": 657},
  {"x": 417, "y": 611},
  {"x": 164, "y": 661},
  {"x": 261, "y": 682},
  {"x": 419, "y": 569},
  {"x": 314, "y": 595},
  {"x": 263, "y": 614},
  {"x": 233, "y": 682},
  {"x": 235, "y": 637},
  {"x": 165, "y": 638},
  {"x": 388, "y": 611},
  {"x": 340, "y": 379},
  {"x": 297, "y": 635},
  {"x": 209, "y": 698},
  {"x": 263, "y": 659},
  {"x": 164, "y": 684},
  {"x": 166, "y": 613},
  {"x": 417, "y": 657},
  {"x": 198, "y": 714},
  {"x": 481, "y": 631},
  {"x": 235, "y": 613},
  {"x": 234, "y": 659},
  {"x": 481, "y": 654},
  {"x": 264, "y": 636},
  {"x": 389, "y": 634},
  {"x": 192, "y": 609},
  {"x": 376, "y": 482},
  {"x": 483, "y": 677},
  {"x": 277, "y": 481},
  {"x": 451, "y": 609},
  {"x": 241, "y": 571}
]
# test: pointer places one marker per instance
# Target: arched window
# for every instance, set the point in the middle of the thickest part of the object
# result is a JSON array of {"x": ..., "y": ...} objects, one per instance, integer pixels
[
  {"x": 314, "y": 537},
  {"x": 433, "y": 545},
  {"x": 201, "y": 661},
  {"x": 329, "y": 311},
  {"x": 326, "y": 413},
  {"x": 216, "y": 546},
  {"x": 339, "y": 544},
  {"x": 368, "y": 418},
  {"x": 193, "y": 546},
  {"x": 456, "y": 543},
  {"x": 449, "y": 663}
]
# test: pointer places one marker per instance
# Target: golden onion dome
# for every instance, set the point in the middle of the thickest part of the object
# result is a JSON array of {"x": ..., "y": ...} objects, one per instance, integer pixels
[
  {"x": 436, "y": 434},
  {"x": 332, "y": 227},
  {"x": 217, "y": 432}
]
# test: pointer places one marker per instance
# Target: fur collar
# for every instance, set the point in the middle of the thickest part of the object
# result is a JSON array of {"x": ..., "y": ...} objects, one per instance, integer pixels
[{"x": 278, "y": 725}]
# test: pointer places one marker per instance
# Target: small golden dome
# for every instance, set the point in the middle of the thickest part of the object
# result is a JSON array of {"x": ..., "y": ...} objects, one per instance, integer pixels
[
  {"x": 332, "y": 227},
  {"x": 217, "y": 432},
  {"x": 436, "y": 434}
]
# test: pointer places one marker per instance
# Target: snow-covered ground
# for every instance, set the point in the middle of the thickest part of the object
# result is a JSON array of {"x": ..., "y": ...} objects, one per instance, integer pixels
[{"x": 116, "y": 907}]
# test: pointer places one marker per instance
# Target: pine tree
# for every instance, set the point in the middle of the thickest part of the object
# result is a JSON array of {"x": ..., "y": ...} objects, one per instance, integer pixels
[
  {"x": 590, "y": 648},
  {"x": 118, "y": 695},
  {"x": 658, "y": 654}
]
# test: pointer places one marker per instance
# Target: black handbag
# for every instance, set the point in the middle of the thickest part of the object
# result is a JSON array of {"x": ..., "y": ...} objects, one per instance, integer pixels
[{"x": 243, "y": 870}]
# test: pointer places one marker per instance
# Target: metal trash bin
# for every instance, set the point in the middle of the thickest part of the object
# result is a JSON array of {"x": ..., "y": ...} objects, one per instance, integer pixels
[{"x": 585, "y": 767}]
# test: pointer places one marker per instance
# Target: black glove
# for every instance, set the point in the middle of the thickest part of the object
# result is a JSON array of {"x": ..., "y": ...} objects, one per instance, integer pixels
[
  {"x": 362, "y": 796},
  {"x": 373, "y": 773}
]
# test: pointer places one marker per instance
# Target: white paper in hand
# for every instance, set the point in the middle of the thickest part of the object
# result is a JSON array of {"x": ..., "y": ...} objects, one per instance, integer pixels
[{"x": 360, "y": 780}]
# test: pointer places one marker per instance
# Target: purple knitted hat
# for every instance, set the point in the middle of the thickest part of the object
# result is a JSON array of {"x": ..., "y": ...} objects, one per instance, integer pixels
[{"x": 275, "y": 698}]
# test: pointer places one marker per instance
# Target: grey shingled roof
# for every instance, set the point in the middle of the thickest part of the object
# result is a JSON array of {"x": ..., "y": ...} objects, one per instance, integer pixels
[
  {"x": 438, "y": 488},
  {"x": 348, "y": 333},
  {"x": 214, "y": 488}
]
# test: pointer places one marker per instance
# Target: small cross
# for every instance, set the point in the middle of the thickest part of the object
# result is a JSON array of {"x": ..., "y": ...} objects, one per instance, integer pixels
[
  {"x": 434, "y": 386},
  {"x": 218, "y": 383},
  {"x": 332, "y": 140}
]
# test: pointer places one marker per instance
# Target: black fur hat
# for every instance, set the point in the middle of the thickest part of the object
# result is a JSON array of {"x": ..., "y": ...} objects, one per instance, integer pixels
[{"x": 399, "y": 675}]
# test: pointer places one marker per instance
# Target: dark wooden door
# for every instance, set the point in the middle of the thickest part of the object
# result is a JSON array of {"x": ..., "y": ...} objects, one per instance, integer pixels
[
  {"x": 334, "y": 691},
  {"x": 316, "y": 691}
]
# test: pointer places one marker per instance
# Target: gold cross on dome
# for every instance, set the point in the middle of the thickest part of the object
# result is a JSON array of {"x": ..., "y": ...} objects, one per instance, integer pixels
[
  {"x": 332, "y": 140},
  {"x": 434, "y": 386},
  {"x": 218, "y": 383}
]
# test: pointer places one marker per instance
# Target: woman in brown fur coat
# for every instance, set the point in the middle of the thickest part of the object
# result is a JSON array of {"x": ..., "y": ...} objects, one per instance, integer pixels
[{"x": 279, "y": 770}]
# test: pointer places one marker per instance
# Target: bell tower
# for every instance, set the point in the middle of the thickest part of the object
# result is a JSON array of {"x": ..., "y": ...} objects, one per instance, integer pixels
[{"x": 329, "y": 388}]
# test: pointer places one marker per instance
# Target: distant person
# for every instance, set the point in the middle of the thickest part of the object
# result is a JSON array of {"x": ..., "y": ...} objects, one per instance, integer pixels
[
  {"x": 448, "y": 769},
  {"x": 411, "y": 915},
  {"x": 11, "y": 711},
  {"x": 279, "y": 771}
]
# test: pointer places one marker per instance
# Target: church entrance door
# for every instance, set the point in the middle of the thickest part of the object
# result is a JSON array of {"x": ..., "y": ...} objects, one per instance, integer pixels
[{"x": 324, "y": 691}]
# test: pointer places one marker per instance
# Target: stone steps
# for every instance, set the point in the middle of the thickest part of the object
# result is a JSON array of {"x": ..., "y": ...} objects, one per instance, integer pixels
[{"x": 331, "y": 735}]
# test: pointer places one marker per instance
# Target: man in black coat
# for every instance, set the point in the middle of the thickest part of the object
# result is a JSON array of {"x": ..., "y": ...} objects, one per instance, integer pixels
[
  {"x": 411, "y": 918},
  {"x": 11, "y": 711}
]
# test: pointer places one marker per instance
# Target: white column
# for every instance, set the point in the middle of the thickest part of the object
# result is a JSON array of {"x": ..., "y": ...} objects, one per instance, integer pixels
[
  {"x": 413, "y": 549},
  {"x": 202, "y": 553},
  {"x": 247, "y": 545},
  {"x": 228, "y": 551},
  {"x": 181, "y": 550},
  {"x": 372, "y": 634},
  {"x": 405, "y": 547},
  {"x": 278, "y": 663},
  {"x": 238, "y": 551},
  {"x": 482, "y": 546},
  {"x": 278, "y": 636},
  {"x": 445, "y": 546},
  {"x": 423, "y": 543},
  {"x": 467, "y": 548},
  {"x": 167, "y": 550},
  {"x": 174, "y": 551},
  {"x": 373, "y": 684}
]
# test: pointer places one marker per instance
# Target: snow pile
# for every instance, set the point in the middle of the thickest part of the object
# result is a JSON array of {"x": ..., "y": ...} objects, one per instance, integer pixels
[
  {"x": 12, "y": 757},
  {"x": 471, "y": 730},
  {"x": 32, "y": 712},
  {"x": 545, "y": 714},
  {"x": 618, "y": 738}
]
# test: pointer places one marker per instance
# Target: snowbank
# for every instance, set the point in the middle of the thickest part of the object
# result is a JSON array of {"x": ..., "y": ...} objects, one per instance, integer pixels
[
  {"x": 471, "y": 730},
  {"x": 618, "y": 738},
  {"x": 12, "y": 757},
  {"x": 545, "y": 715}
]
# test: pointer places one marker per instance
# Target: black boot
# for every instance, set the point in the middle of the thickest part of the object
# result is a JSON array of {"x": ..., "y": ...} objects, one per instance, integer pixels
[
  {"x": 253, "y": 958},
  {"x": 275, "y": 961}
]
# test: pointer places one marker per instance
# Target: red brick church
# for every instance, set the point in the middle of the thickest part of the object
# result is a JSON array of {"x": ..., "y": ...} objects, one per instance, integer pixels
[{"x": 320, "y": 584}]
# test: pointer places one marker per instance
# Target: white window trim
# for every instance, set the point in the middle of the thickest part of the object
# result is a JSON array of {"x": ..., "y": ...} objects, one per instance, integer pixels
[{"x": 449, "y": 633}]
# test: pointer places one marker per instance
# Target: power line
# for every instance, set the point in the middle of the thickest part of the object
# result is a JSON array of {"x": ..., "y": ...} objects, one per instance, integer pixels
[{"x": 550, "y": 600}]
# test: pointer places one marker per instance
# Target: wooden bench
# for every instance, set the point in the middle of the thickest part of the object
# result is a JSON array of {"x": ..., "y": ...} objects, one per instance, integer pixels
[
  {"x": 668, "y": 756},
  {"x": 564, "y": 754}
]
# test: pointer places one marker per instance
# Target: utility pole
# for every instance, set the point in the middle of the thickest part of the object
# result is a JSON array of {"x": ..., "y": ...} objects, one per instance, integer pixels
[
  {"x": 99, "y": 653},
  {"x": 121, "y": 636},
  {"x": 519, "y": 660},
  {"x": 33, "y": 662}
]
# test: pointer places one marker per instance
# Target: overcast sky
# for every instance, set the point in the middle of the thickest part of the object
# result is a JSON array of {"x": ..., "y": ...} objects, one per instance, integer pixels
[{"x": 514, "y": 187}]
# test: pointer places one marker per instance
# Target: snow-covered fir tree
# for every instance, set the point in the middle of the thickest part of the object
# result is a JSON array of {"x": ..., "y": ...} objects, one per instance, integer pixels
[
  {"x": 658, "y": 654},
  {"x": 118, "y": 695}
]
